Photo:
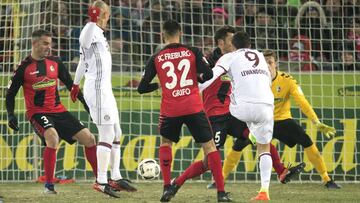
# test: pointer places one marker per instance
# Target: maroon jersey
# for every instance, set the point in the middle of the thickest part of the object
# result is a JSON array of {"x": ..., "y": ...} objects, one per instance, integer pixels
[
  {"x": 178, "y": 68},
  {"x": 216, "y": 97},
  {"x": 40, "y": 85}
]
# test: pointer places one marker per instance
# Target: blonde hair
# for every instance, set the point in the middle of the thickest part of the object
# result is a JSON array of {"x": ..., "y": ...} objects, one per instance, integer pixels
[
  {"x": 270, "y": 53},
  {"x": 102, "y": 6}
]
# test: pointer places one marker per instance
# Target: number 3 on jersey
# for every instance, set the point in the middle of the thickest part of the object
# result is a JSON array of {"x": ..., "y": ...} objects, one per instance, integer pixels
[{"x": 184, "y": 66}]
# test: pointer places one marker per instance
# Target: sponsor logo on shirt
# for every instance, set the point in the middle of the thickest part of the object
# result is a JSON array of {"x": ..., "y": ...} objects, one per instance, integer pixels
[
  {"x": 44, "y": 84},
  {"x": 106, "y": 117}
]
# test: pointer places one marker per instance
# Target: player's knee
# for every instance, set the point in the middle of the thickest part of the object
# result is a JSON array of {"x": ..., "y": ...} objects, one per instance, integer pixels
[
  {"x": 51, "y": 138},
  {"x": 262, "y": 148},
  {"x": 88, "y": 140},
  {"x": 165, "y": 142},
  {"x": 306, "y": 141},
  {"x": 208, "y": 146},
  {"x": 91, "y": 140}
]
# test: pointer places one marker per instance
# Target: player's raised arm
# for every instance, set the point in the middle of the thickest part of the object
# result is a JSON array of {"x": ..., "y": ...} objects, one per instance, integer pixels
[
  {"x": 149, "y": 73},
  {"x": 88, "y": 33},
  {"x": 221, "y": 67}
]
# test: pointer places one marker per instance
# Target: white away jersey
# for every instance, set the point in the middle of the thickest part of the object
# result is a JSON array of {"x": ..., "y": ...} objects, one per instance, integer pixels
[
  {"x": 250, "y": 76},
  {"x": 96, "y": 58}
]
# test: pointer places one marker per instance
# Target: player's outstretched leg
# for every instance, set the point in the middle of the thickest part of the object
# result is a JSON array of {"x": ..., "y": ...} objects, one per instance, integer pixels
[
  {"x": 317, "y": 160},
  {"x": 291, "y": 172},
  {"x": 170, "y": 191}
]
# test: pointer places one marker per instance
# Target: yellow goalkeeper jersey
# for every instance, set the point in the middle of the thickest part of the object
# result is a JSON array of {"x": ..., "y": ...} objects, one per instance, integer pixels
[{"x": 283, "y": 86}]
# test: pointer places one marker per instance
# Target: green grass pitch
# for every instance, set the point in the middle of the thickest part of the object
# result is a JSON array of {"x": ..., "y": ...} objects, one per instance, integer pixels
[{"x": 190, "y": 192}]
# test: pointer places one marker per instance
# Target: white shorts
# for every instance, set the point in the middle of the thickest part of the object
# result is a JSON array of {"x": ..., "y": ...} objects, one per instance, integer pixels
[
  {"x": 259, "y": 118},
  {"x": 103, "y": 107},
  {"x": 104, "y": 116}
]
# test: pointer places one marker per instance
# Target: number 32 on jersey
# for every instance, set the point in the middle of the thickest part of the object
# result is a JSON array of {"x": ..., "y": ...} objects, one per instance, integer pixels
[{"x": 184, "y": 68}]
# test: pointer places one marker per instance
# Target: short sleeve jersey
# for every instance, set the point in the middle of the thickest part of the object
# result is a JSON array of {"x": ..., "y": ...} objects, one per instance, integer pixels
[{"x": 250, "y": 76}]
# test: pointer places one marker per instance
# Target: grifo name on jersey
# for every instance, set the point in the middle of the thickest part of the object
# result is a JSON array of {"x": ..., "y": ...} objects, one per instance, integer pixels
[
  {"x": 174, "y": 55},
  {"x": 181, "y": 92}
]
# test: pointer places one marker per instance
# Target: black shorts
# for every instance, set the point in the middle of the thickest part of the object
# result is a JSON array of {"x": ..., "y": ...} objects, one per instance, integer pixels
[
  {"x": 227, "y": 124},
  {"x": 198, "y": 125},
  {"x": 64, "y": 123},
  {"x": 291, "y": 133}
]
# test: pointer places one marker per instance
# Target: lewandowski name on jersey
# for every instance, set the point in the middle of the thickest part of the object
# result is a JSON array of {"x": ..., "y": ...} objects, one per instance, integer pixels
[
  {"x": 253, "y": 71},
  {"x": 173, "y": 55}
]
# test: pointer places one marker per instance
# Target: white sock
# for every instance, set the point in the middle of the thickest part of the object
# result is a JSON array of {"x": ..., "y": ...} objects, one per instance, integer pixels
[
  {"x": 115, "y": 162},
  {"x": 265, "y": 166},
  {"x": 103, "y": 159}
]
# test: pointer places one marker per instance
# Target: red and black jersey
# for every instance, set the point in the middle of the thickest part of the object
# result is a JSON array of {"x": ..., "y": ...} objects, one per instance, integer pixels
[
  {"x": 40, "y": 85},
  {"x": 216, "y": 97},
  {"x": 178, "y": 68}
]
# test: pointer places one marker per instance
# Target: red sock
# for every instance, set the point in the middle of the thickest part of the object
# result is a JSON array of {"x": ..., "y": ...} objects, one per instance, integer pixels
[
  {"x": 49, "y": 164},
  {"x": 214, "y": 160},
  {"x": 165, "y": 156},
  {"x": 195, "y": 169},
  {"x": 90, "y": 153},
  {"x": 277, "y": 165}
]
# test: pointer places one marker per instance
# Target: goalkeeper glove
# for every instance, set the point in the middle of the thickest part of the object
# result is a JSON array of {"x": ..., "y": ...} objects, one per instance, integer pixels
[
  {"x": 12, "y": 122},
  {"x": 74, "y": 92},
  {"x": 328, "y": 131},
  {"x": 94, "y": 13}
]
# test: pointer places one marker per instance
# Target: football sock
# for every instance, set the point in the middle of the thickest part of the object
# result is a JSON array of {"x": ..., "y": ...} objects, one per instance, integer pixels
[
  {"x": 103, "y": 159},
  {"x": 265, "y": 166},
  {"x": 195, "y": 169},
  {"x": 278, "y": 166},
  {"x": 317, "y": 160},
  {"x": 232, "y": 159},
  {"x": 165, "y": 156},
  {"x": 90, "y": 153},
  {"x": 115, "y": 161},
  {"x": 214, "y": 161},
  {"x": 49, "y": 164}
]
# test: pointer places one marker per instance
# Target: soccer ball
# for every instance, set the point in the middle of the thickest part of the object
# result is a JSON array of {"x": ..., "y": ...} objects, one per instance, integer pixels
[{"x": 148, "y": 169}]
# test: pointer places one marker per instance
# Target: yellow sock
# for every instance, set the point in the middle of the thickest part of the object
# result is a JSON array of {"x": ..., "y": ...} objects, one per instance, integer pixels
[
  {"x": 231, "y": 160},
  {"x": 318, "y": 161}
]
